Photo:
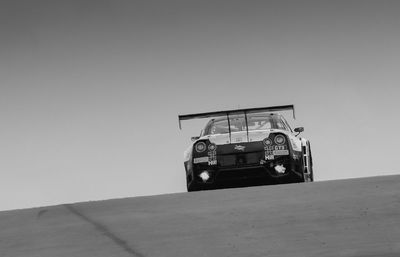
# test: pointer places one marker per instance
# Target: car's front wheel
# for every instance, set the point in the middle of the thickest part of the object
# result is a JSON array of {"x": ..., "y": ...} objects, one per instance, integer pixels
[
  {"x": 192, "y": 185},
  {"x": 308, "y": 169},
  {"x": 193, "y": 188}
]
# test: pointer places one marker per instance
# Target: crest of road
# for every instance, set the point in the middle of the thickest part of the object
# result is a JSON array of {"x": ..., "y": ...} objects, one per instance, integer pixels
[{"x": 355, "y": 218}]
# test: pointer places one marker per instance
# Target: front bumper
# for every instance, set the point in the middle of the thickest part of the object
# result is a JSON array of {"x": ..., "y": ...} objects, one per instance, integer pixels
[{"x": 262, "y": 172}]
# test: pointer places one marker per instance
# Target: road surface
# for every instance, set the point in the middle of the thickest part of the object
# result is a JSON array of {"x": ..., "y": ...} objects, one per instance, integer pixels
[{"x": 355, "y": 218}]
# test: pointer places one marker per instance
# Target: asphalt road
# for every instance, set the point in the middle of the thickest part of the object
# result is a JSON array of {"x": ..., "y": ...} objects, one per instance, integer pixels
[{"x": 357, "y": 218}]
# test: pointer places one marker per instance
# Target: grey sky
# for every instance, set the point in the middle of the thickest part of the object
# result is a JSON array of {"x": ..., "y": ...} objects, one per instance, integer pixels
[{"x": 90, "y": 90}]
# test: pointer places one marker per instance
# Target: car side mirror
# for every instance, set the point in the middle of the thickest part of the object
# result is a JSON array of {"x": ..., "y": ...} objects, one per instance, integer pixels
[
  {"x": 299, "y": 130},
  {"x": 194, "y": 138}
]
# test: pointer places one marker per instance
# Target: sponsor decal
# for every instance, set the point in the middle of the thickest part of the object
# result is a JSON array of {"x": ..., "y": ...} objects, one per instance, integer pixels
[
  {"x": 275, "y": 147},
  {"x": 239, "y": 147},
  {"x": 280, "y": 152},
  {"x": 269, "y": 157},
  {"x": 200, "y": 159},
  {"x": 213, "y": 162},
  {"x": 212, "y": 157}
]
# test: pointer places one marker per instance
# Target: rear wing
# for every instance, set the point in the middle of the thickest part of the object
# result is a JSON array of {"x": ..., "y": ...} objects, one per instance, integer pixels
[{"x": 228, "y": 112}]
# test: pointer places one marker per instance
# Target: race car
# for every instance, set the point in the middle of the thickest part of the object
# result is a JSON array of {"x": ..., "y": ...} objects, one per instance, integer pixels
[{"x": 245, "y": 147}]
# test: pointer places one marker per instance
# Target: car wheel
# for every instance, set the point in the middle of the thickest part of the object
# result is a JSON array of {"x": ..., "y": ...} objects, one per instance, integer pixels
[
  {"x": 308, "y": 175},
  {"x": 310, "y": 168},
  {"x": 193, "y": 186}
]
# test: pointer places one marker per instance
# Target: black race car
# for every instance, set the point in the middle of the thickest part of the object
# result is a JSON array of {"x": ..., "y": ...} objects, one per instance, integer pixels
[{"x": 245, "y": 147}]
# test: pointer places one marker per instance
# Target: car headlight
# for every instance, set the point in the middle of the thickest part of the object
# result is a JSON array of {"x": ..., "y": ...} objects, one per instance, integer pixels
[
  {"x": 212, "y": 147},
  {"x": 200, "y": 147},
  {"x": 267, "y": 141},
  {"x": 279, "y": 140}
]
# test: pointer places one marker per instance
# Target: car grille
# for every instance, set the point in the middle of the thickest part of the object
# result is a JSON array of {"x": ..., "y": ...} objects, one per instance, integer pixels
[{"x": 240, "y": 159}]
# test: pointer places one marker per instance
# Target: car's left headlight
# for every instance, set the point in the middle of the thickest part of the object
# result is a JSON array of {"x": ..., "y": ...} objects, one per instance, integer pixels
[{"x": 200, "y": 147}]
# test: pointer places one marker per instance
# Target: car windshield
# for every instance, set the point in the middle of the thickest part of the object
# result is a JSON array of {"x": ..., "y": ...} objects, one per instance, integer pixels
[{"x": 237, "y": 122}]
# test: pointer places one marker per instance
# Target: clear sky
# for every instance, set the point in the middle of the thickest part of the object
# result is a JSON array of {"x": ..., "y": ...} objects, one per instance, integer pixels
[{"x": 90, "y": 90}]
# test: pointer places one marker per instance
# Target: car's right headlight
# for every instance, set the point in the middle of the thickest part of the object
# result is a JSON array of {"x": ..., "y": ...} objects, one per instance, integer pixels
[{"x": 279, "y": 140}]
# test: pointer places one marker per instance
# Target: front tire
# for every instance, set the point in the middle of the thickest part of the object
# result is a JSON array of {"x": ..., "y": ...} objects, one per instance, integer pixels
[
  {"x": 310, "y": 168},
  {"x": 193, "y": 186}
]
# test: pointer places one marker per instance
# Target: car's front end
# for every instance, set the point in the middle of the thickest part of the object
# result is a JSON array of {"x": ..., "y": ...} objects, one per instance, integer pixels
[{"x": 275, "y": 159}]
